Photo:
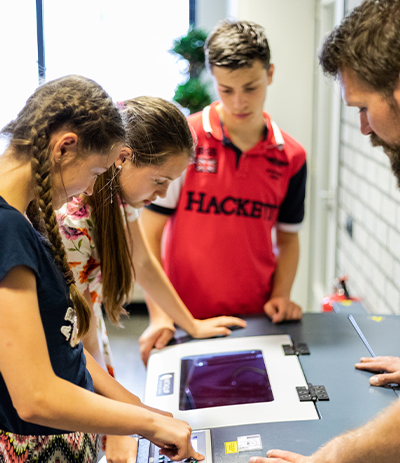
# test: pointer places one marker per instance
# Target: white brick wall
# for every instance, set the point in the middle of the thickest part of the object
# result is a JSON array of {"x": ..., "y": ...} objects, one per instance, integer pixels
[{"x": 369, "y": 194}]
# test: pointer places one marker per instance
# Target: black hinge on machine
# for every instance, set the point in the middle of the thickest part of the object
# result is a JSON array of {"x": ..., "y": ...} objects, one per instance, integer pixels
[
  {"x": 312, "y": 393},
  {"x": 299, "y": 349}
]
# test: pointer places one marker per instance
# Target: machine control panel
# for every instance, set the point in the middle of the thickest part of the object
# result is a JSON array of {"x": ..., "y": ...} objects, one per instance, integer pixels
[{"x": 201, "y": 442}]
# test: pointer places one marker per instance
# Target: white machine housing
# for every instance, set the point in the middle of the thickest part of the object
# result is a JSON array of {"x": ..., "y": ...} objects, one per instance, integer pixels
[{"x": 284, "y": 372}]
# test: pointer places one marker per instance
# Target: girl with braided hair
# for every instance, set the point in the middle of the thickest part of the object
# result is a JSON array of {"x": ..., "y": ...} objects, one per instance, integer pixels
[
  {"x": 105, "y": 246},
  {"x": 68, "y": 133}
]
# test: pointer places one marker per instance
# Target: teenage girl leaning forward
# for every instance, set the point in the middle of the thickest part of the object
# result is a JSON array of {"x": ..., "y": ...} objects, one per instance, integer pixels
[
  {"x": 105, "y": 245},
  {"x": 67, "y": 134}
]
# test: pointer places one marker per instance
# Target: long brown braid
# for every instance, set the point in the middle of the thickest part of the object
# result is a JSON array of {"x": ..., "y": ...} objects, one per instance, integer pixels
[{"x": 82, "y": 106}]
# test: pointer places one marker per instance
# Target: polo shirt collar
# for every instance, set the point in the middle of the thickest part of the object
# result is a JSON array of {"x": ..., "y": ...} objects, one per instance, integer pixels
[{"x": 212, "y": 125}]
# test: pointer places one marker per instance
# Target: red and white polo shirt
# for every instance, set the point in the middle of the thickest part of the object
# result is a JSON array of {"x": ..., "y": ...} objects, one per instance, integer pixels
[{"x": 218, "y": 249}]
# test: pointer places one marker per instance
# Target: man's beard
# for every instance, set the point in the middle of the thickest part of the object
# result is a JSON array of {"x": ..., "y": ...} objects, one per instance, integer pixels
[{"x": 392, "y": 151}]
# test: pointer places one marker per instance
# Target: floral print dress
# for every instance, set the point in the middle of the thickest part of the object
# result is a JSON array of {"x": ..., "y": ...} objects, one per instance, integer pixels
[{"x": 77, "y": 231}]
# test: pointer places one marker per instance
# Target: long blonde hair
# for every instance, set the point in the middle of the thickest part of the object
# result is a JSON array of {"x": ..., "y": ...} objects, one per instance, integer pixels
[{"x": 156, "y": 132}]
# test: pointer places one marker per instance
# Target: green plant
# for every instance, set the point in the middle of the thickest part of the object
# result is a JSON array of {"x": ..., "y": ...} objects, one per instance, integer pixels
[
  {"x": 193, "y": 94},
  {"x": 191, "y": 48}
]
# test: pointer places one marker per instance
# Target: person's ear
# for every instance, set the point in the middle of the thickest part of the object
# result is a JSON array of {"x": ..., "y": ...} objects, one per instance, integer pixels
[
  {"x": 396, "y": 92},
  {"x": 126, "y": 153},
  {"x": 64, "y": 143},
  {"x": 270, "y": 74}
]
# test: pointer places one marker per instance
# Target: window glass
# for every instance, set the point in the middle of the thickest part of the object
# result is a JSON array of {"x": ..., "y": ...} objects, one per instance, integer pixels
[
  {"x": 19, "y": 69},
  {"x": 121, "y": 44}
]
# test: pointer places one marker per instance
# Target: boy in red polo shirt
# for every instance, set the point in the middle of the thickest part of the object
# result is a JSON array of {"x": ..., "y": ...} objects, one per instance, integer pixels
[{"x": 246, "y": 183}]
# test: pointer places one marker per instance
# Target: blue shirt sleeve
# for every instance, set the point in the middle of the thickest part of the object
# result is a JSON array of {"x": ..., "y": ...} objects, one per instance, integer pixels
[{"x": 18, "y": 243}]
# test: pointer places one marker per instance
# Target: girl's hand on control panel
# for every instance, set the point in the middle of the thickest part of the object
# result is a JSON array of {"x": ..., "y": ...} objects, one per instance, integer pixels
[{"x": 216, "y": 326}]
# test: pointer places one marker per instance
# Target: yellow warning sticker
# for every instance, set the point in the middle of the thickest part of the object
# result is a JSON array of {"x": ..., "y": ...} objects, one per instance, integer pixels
[
  {"x": 346, "y": 303},
  {"x": 376, "y": 318},
  {"x": 231, "y": 447}
]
